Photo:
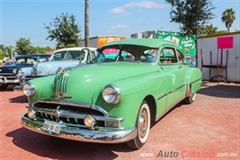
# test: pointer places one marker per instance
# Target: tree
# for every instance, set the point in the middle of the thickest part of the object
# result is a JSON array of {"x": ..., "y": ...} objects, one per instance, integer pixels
[
  {"x": 38, "y": 49},
  {"x": 64, "y": 30},
  {"x": 9, "y": 50},
  {"x": 207, "y": 29},
  {"x": 2, "y": 51},
  {"x": 23, "y": 46},
  {"x": 228, "y": 16},
  {"x": 191, "y": 14},
  {"x": 221, "y": 31},
  {"x": 87, "y": 43}
]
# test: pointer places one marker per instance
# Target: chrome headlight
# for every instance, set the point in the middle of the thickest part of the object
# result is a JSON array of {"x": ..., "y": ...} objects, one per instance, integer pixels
[
  {"x": 14, "y": 71},
  {"x": 111, "y": 94},
  {"x": 28, "y": 89},
  {"x": 20, "y": 73}
]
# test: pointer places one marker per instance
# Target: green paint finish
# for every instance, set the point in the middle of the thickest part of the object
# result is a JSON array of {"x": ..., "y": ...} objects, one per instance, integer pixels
[{"x": 161, "y": 85}]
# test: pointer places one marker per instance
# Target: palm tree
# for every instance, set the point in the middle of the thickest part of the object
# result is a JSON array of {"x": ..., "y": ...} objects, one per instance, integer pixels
[{"x": 228, "y": 16}]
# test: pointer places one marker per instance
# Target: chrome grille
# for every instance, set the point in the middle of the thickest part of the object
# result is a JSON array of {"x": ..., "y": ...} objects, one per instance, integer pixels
[
  {"x": 42, "y": 116},
  {"x": 50, "y": 107},
  {"x": 68, "y": 115},
  {"x": 9, "y": 76},
  {"x": 61, "y": 83}
]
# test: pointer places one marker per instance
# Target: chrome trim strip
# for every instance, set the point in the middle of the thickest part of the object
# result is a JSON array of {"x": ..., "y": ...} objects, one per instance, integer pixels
[
  {"x": 95, "y": 127},
  {"x": 196, "y": 80},
  {"x": 100, "y": 109},
  {"x": 84, "y": 135},
  {"x": 18, "y": 88},
  {"x": 64, "y": 102},
  {"x": 74, "y": 104},
  {"x": 64, "y": 84},
  {"x": 65, "y": 113},
  {"x": 171, "y": 92},
  {"x": 165, "y": 94}
]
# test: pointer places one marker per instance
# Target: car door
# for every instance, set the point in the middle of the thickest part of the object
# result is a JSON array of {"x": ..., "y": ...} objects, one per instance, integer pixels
[{"x": 175, "y": 73}]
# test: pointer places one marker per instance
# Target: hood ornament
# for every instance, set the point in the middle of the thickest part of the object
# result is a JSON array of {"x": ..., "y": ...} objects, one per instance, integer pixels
[
  {"x": 61, "y": 95},
  {"x": 62, "y": 71}
]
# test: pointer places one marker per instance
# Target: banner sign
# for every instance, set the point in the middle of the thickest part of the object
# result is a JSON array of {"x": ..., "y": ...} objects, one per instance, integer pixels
[
  {"x": 186, "y": 44},
  {"x": 106, "y": 39},
  {"x": 225, "y": 42}
]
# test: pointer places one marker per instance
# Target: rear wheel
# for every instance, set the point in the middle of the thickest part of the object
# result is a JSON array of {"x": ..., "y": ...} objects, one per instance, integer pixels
[
  {"x": 3, "y": 86},
  {"x": 191, "y": 99},
  {"x": 143, "y": 127}
]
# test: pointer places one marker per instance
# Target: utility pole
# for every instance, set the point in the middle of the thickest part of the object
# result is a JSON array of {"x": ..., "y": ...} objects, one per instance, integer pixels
[
  {"x": 196, "y": 43},
  {"x": 87, "y": 43}
]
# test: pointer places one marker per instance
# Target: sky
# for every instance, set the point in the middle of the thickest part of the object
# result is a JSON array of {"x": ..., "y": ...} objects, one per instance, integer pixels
[{"x": 26, "y": 18}]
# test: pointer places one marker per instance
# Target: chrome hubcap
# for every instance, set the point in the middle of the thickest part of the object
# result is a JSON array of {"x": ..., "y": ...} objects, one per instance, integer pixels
[{"x": 142, "y": 123}]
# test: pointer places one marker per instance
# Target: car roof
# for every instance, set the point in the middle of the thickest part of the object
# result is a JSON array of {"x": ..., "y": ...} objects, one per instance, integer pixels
[
  {"x": 150, "y": 42},
  {"x": 33, "y": 55},
  {"x": 75, "y": 48}
]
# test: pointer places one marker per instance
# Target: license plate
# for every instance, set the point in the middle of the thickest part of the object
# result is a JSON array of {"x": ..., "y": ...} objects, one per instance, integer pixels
[{"x": 51, "y": 127}]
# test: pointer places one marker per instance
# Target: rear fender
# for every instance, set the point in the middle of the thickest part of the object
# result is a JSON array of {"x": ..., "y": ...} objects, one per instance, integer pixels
[{"x": 193, "y": 81}]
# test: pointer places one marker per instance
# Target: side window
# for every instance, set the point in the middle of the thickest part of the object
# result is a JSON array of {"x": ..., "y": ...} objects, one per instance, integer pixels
[
  {"x": 43, "y": 59},
  {"x": 75, "y": 54},
  {"x": 180, "y": 56},
  {"x": 168, "y": 55},
  {"x": 31, "y": 61},
  {"x": 129, "y": 57}
]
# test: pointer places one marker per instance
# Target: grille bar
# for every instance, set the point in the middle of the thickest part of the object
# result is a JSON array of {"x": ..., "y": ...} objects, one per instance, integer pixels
[{"x": 61, "y": 84}]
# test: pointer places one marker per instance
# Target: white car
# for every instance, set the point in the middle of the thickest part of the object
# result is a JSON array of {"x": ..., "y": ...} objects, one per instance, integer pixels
[{"x": 61, "y": 59}]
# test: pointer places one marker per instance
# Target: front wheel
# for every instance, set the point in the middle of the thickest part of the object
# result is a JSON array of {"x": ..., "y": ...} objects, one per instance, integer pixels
[
  {"x": 191, "y": 99},
  {"x": 143, "y": 127}
]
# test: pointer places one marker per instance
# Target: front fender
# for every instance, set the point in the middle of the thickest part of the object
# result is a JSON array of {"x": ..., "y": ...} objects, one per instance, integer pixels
[
  {"x": 26, "y": 71},
  {"x": 43, "y": 87},
  {"x": 132, "y": 92}
]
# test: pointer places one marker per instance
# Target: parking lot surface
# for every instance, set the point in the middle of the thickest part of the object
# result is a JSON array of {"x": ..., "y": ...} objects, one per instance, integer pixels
[{"x": 207, "y": 129}]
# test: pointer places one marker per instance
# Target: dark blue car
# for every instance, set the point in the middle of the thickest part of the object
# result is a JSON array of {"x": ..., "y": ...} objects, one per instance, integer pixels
[{"x": 8, "y": 73}]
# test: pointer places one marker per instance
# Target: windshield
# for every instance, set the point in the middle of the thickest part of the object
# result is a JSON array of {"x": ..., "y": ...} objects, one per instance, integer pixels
[
  {"x": 26, "y": 61},
  {"x": 66, "y": 55},
  {"x": 128, "y": 53}
]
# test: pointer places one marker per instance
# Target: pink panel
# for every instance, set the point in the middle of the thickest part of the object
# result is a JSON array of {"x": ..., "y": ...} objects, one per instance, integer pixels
[{"x": 225, "y": 42}]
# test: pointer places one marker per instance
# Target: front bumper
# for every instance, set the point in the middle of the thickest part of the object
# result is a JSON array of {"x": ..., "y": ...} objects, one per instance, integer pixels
[
  {"x": 5, "y": 80},
  {"x": 18, "y": 88},
  {"x": 22, "y": 81},
  {"x": 84, "y": 135}
]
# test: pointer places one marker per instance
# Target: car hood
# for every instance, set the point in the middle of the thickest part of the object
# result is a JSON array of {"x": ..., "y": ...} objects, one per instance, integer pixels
[{"x": 83, "y": 82}]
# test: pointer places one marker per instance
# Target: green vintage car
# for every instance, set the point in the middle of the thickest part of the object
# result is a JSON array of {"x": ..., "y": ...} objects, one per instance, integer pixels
[{"x": 114, "y": 99}]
